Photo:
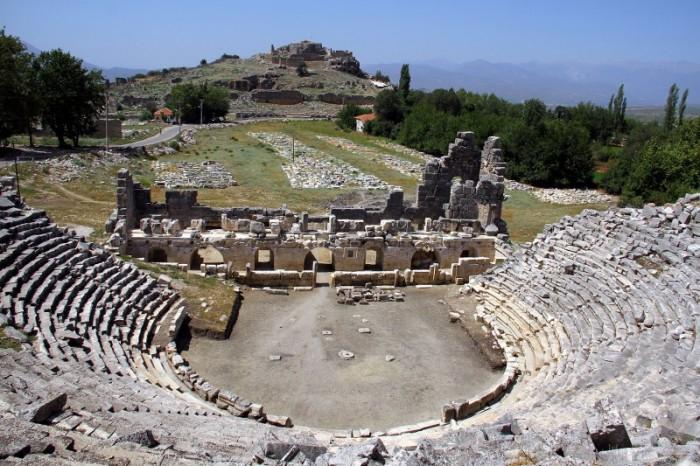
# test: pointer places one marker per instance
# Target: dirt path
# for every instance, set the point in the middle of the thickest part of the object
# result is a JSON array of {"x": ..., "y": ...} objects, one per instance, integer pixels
[{"x": 74, "y": 195}]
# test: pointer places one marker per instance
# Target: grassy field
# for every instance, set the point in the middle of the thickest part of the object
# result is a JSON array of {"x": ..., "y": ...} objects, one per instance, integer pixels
[
  {"x": 197, "y": 289},
  {"x": 8, "y": 343},
  {"x": 526, "y": 215},
  {"x": 257, "y": 168}
]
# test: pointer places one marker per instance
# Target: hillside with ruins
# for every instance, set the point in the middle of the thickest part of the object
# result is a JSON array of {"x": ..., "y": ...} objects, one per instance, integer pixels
[{"x": 260, "y": 84}]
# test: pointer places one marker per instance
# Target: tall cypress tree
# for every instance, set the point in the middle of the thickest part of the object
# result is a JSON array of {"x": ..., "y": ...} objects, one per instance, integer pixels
[
  {"x": 404, "y": 82},
  {"x": 670, "y": 110},
  {"x": 682, "y": 107}
]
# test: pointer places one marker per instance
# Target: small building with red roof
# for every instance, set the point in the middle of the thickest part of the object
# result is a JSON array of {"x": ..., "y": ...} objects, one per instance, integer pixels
[
  {"x": 164, "y": 114},
  {"x": 362, "y": 120}
]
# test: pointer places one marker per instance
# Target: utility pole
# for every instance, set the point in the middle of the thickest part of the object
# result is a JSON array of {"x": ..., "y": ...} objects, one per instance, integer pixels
[
  {"x": 106, "y": 123},
  {"x": 106, "y": 116},
  {"x": 201, "y": 112}
]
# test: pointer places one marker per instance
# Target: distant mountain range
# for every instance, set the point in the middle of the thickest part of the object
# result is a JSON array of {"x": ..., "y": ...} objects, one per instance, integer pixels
[
  {"x": 646, "y": 84},
  {"x": 109, "y": 73}
]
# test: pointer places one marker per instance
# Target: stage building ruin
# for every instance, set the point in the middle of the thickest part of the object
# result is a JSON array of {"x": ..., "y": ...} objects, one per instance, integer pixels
[{"x": 448, "y": 235}]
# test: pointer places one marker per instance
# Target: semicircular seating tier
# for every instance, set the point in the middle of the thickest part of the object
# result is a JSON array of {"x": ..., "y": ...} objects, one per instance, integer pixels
[{"x": 599, "y": 314}]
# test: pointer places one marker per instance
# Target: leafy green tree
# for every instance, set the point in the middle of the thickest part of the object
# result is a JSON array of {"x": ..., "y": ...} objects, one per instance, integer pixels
[
  {"x": 389, "y": 107},
  {"x": 445, "y": 101},
  {"x": 620, "y": 168},
  {"x": 427, "y": 129},
  {"x": 667, "y": 168},
  {"x": 597, "y": 120},
  {"x": 404, "y": 82},
  {"x": 670, "y": 109},
  {"x": 72, "y": 97},
  {"x": 552, "y": 153},
  {"x": 346, "y": 116},
  {"x": 185, "y": 99},
  {"x": 682, "y": 107},
  {"x": 202, "y": 62},
  {"x": 19, "y": 101},
  {"x": 534, "y": 112}
]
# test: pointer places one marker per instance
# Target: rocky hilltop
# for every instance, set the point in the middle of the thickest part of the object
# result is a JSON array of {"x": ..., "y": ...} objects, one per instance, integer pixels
[{"x": 266, "y": 84}]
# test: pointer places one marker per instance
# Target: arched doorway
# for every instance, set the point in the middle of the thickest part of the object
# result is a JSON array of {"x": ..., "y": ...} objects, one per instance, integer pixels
[
  {"x": 309, "y": 261},
  {"x": 324, "y": 259},
  {"x": 422, "y": 259},
  {"x": 466, "y": 253},
  {"x": 374, "y": 259},
  {"x": 207, "y": 255},
  {"x": 264, "y": 259},
  {"x": 156, "y": 255}
]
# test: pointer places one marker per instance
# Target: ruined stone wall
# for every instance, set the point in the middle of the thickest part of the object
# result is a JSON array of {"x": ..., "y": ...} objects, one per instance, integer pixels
[
  {"x": 341, "y": 99},
  {"x": 492, "y": 161},
  {"x": 277, "y": 278},
  {"x": 463, "y": 160},
  {"x": 292, "y": 255},
  {"x": 388, "y": 278},
  {"x": 278, "y": 97}
]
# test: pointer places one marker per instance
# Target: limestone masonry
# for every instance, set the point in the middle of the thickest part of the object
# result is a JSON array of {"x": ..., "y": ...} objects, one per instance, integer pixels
[{"x": 458, "y": 211}]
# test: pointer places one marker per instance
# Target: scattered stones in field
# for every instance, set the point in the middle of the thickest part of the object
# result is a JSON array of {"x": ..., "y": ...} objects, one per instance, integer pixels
[
  {"x": 192, "y": 175},
  {"x": 70, "y": 167},
  {"x": 404, "y": 166},
  {"x": 563, "y": 196},
  {"x": 364, "y": 330},
  {"x": 389, "y": 357},
  {"x": 274, "y": 357},
  {"x": 312, "y": 168},
  {"x": 404, "y": 150},
  {"x": 344, "y": 354}
]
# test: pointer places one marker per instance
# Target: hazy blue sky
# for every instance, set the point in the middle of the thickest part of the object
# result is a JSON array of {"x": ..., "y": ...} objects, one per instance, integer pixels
[{"x": 154, "y": 34}]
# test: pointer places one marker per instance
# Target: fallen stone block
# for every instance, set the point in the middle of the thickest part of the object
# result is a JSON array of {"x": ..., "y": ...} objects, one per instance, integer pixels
[
  {"x": 281, "y": 421},
  {"x": 606, "y": 428},
  {"x": 277, "y": 450},
  {"x": 144, "y": 438},
  {"x": 42, "y": 410}
]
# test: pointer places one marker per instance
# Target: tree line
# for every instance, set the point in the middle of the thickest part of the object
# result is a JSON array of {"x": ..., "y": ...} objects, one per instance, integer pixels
[
  {"x": 550, "y": 147},
  {"x": 52, "y": 88}
]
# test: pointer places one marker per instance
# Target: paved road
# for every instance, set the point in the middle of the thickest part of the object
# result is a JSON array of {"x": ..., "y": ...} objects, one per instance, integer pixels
[{"x": 168, "y": 133}]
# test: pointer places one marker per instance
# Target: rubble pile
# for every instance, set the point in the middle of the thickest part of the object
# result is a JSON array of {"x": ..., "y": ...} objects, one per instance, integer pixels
[
  {"x": 307, "y": 167},
  {"x": 563, "y": 196},
  {"x": 70, "y": 167},
  {"x": 408, "y": 168},
  {"x": 367, "y": 294},
  {"x": 207, "y": 174}
]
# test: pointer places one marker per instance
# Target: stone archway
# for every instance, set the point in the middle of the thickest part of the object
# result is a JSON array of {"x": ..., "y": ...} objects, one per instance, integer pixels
[
  {"x": 309, "y": 261},
  {"x": 422, "y": 259},
  {"x": 207, "y": 255},
  {"x": 264, "y": 259},
  {"x": 157, "y": 255},
  {"x": 324, "y": 259}
]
